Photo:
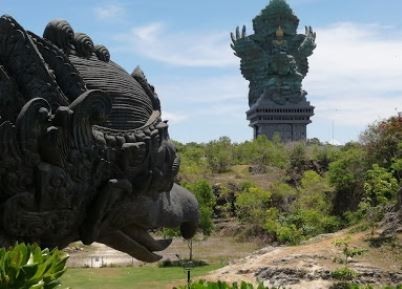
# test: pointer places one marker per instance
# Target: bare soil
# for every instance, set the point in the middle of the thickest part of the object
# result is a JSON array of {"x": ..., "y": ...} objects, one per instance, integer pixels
[{"x": 315, "y": 255}]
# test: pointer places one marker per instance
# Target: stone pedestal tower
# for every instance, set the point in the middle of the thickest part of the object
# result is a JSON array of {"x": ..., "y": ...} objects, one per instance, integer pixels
[{"x": 274, "y": 60}]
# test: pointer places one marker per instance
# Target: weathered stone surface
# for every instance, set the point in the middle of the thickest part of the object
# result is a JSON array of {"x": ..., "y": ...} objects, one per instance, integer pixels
[
  {"x": 290, "y": 276},
  {"x": 310, "y": 265},
  {"x": 84, "y": 154},
  {"x": 274, "y": 60}
]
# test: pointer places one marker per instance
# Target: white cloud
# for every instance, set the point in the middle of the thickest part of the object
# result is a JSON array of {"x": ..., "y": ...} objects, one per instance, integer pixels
[
  {"x": 110, "y": 11},
  {"x": 355, "y": 76},
  {"x": 356, "y": 73},
  {"x": 192, "y": 49},
  {"x": 173, "y": 118},
  {"x": 201, "y": 91}
]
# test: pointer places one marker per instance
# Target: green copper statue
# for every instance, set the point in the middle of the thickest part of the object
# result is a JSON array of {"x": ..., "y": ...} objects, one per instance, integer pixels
[{"x": 274, "y": 60}]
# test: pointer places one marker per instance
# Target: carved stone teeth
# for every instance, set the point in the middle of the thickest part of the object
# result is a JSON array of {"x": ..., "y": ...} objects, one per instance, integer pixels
[
  {"x": 99, "y": 137},
  {"x": 111, "y": 140},
  {"x": 120, "y": 140},
  {"x": 130, "y": 138},
  {"x": 154, "y": 132},
  {"x": 140, "y": 136},
  {"x": 147, "y": 131}
]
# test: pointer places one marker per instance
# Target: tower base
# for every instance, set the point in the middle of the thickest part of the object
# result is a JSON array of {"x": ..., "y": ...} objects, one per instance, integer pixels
[{"x": 288, "y": 121}]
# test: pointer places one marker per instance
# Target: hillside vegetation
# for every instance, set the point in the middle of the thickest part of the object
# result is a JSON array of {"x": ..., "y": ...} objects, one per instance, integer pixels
[{"x": 286, "y": 193}]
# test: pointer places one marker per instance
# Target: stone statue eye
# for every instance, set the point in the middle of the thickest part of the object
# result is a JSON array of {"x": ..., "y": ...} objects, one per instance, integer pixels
[{"x": 57, "y": 181}]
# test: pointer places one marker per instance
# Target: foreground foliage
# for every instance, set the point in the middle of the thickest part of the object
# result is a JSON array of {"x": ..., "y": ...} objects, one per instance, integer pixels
[{"x": 28, "y": 267}]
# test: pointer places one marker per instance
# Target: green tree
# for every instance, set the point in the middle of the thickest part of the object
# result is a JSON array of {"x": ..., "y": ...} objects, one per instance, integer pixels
[
  {"x": 283, "y": 196},
  {"x": 297, "y": 162},
  {"x": 252, "y": 203},
  {"x": 383, "y": 140},
  {"x": 207, "y": 201},
  {"x": 193, "y": 163},
  {"x": 396, "y": 168},
  {"x": 315, "y": 192},
  {"x": 298, "y": 155},
  {"x": 347, "y": 175},
  {"x": 219, "y": 155},
  {"x": 261, "y": 152},
  {"x": 345, "y": 273},
  {"x": 380, "y": 186}
]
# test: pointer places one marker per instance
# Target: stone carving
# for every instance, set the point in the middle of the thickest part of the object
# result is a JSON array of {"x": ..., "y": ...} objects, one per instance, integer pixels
[
  {"x": 84, "y": 154},
  {"x": 274, "y": 60}
]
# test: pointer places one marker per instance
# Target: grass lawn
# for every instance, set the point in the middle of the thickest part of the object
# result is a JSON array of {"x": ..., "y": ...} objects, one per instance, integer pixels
[{"x": 144, "y": 277}]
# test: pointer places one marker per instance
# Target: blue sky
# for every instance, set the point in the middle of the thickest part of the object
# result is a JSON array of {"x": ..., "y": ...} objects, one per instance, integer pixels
[{"x": 355, "y": 73}]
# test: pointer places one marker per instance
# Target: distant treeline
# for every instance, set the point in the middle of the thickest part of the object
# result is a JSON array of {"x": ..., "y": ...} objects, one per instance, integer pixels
[{"x": 316, "y": 188}]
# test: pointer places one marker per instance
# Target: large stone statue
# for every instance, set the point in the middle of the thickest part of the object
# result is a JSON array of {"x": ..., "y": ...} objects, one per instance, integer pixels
[
  {"x": 84, "y": 154},
  {"x": 274, "y": 60}
]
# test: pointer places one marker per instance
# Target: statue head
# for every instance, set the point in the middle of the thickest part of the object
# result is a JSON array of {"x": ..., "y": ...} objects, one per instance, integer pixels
[
  {"x": 276, "y": 14},
  {"x": 86, "y": 155}
]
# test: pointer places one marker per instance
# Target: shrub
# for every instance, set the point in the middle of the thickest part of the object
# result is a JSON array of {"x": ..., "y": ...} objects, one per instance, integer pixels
[
  {"x": 347, "y": 175},
  {"x": 260, "y": 152},
  {"x": 289, "y": 234},
  {"x": 252, "y": 203},
  {"x": 380, "y": 186},
  {"x": 207, "y": 201},
  {"x": 193, "y": 163},
  {"x": 298, "y": 156},
  {"x": 181, "y": 263},
  {"x": 347, "y": 251},
  {"x": 382, "y": 141},
  {"x": 315, "y": 193},
  {"x": 283, "y": 195},
  {"x": 219, "y": 155},
  {"x": 313, "y": 222},
  {"x": 28, "y": 267},
  {"x": 344, "y": 274}
]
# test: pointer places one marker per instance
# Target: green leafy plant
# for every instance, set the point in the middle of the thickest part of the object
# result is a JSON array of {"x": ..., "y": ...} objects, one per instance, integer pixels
[
  {"x": 347, "y": 175},
  {"x": 219, "y": 155},
  {"x": 380, "y": 186},
  {"x": 28, "y": 267},
  {"x": 252, "y": 203},
  {"x": 207, "y": 201},
  {"x": 344, "y": 274},
  {"x": 348, "y": 251}
]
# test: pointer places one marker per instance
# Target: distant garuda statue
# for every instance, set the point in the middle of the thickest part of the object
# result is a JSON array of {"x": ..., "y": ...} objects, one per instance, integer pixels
[
  {"x": 84, "y": 154},
  {"x": 274, "y": 58}
]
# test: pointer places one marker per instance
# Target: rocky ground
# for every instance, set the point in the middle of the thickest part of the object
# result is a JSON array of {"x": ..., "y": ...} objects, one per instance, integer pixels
[{"x": 310, "y": 265}]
